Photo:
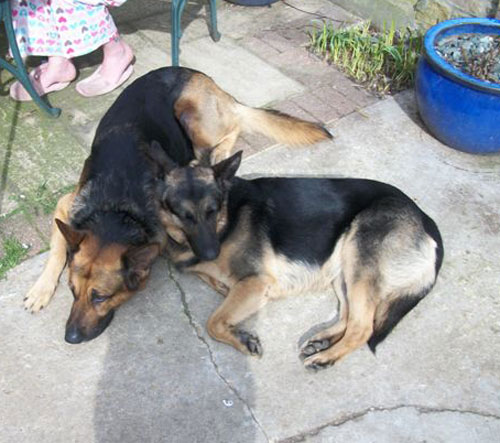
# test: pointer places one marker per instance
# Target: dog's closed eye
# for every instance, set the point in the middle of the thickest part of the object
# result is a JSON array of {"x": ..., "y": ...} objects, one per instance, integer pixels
[{"x": 96, "y": 297}]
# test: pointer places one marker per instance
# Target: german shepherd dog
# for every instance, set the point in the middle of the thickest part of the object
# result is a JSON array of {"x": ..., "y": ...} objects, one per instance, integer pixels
[
  {"x": 271, "y": 237},
  {"x": 108, "y": 230}
]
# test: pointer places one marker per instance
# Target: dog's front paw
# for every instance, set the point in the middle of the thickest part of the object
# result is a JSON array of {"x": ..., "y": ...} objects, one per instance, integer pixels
[
  {"x": 251, "y": 342},
  {"x": 39, "y": 296}
]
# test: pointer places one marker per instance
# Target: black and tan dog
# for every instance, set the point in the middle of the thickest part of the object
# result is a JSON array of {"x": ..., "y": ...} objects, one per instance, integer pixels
[
  {"x": 275, "y": 236},
  {"x": 108, "y": 230}
]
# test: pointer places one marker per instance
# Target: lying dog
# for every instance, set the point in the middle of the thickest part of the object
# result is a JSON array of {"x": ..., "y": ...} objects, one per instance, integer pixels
[
  {"x": 108, "y": 230},
  {"x": 275, "y": 236}
]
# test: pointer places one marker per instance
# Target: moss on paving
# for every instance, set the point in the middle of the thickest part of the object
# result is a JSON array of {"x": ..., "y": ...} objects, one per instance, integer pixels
[
  {"x": 35, "y": 150},
  {"x": 13, "y": 253}
]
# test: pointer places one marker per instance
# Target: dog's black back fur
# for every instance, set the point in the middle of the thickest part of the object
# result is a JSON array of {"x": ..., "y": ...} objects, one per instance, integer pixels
[
  {"x": 147, "y": 108},
  {"x": 293, "y": 211},
  {"x": 116, "y": 201}
]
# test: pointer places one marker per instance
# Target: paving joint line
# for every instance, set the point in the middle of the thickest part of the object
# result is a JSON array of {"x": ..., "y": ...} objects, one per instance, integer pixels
[
  {"x": 357, "y": 415},
  {"x": 200, "y": 337}
]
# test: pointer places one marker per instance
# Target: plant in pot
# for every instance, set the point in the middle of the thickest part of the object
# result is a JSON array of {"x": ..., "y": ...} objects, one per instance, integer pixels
[{"x": 458, "y": 84}]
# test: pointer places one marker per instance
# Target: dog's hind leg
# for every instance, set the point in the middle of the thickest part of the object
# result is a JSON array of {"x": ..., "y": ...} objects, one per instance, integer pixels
[
  {"x": 361, "y": 299},
  {"x": 329, "y": 336},
  {"x": 207, "y": 115},
  {"x": 244, "y": 299},
  {"x": 42, "y": 291}
]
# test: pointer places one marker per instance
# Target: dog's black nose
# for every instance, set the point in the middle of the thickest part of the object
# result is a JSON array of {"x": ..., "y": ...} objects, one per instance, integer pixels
[
  {"x": 73, "y": 335},
  {"x": 209, "y": 254}
]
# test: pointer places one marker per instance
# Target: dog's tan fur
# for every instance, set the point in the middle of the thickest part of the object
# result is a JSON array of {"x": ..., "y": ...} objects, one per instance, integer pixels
[
  {"x": 43, "y": 290},
  {"x": 214, "y": 120}
]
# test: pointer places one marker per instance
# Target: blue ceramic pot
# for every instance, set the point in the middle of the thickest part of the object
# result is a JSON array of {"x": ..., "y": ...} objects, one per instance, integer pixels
[{"x": 460, "y": 110}]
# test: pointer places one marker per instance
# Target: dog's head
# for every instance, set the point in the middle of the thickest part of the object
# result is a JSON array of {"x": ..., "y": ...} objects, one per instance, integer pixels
[
  {"x": 195, "y": 199},
  {"x": 101, "y": 277}
]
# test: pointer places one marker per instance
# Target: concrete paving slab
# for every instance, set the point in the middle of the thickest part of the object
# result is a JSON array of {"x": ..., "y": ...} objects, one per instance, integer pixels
[
  {"x": 244, "y": 75},
  {"x": 149, "y": 379},
  {"x": 410, "y": 426},
  {"x": 130, "y": 11},
  {"x": 158, "y": 27},
  {"x": 155, "y": 375}
]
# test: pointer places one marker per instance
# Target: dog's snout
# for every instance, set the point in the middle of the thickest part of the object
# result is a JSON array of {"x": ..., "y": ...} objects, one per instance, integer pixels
[{"x": 73, "y": 335}]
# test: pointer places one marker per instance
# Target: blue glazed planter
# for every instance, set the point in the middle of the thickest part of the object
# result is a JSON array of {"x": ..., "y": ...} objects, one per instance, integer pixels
[{"x": 460, "y": 110}]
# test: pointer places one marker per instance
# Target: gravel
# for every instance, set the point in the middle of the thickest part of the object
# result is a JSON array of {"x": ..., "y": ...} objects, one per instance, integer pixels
[{"x": 474, "y": 54}]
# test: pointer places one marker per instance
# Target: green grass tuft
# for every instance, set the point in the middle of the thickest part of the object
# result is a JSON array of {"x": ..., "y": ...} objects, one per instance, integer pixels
[
  {"x": 14, "y": 252},
  {"x": 40, "y": 200},
  {"x": 384, "y": 61}
]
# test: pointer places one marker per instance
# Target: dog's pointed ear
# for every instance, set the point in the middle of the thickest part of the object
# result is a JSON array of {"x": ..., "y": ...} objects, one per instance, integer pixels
[
  {"x": 225, "y": 170},
  {"x": 137, "y": 264},
  {"x": 160, "y": 189},
  {"x": 156, "y": 153},
  {"x": 72, "y": 236}
]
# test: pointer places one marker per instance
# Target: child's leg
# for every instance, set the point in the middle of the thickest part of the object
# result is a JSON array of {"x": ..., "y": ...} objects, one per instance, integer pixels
[
  {"x": 116, "y": 66},
  {"x": 115, "y": 69}
]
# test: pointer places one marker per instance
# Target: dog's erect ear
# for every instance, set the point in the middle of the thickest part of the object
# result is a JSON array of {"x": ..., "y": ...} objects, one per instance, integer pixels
[
  {"x": 225, "y": 170},
  {"x": 71, "y": 235},
  {"x": 156, "y": 153},
  {"x": 137, "y": 262},
  {"x": 160, "y": 191}
]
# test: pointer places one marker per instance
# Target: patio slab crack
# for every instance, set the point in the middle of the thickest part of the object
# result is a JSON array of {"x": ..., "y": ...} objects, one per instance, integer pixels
[
  {"x": 200, "y": 337},
  {"x": 357, "y": 415}
]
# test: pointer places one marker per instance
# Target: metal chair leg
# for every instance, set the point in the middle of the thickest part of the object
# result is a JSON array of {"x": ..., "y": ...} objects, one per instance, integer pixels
[
  {"x": 19, "y": 71},
  {"x": 214, "y": 32},
  {"x": 177, "y": 10}
]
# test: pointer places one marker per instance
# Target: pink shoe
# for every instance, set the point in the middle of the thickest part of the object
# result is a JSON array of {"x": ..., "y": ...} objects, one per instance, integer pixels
[
  {"x": 20, "y": 94},
  {"x": 96, "y": 84}
]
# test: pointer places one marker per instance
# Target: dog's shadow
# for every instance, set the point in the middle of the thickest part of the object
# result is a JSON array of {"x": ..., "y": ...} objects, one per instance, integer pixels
[{"x": 159, "y": 380}]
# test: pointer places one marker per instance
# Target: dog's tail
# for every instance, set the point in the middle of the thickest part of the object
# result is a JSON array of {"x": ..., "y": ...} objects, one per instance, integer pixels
[
  {"x": 389, "y": 314},
  {"x": 394, "y": 307},
  {"x": 280, "y": 127}
]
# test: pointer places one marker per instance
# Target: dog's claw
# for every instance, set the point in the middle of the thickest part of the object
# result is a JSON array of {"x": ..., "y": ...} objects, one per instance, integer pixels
[
  {"x": 251, "y": 341},
  {"x": 39, "y": 296},
  {"x": 316, "y": 366}
]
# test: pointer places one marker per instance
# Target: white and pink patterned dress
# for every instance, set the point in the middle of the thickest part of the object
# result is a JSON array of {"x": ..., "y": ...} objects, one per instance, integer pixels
[{"x": 67, "y": 28}]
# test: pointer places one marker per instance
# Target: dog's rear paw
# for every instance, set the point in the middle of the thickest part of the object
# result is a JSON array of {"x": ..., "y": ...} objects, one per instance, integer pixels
[
  {"x": 39, "y": 296},
  {"x": 313, "y": 347},
  {"x": 314, "y": 365},
  {"x": 315, "y": 355},
  {"x": 251, "y": 342}
]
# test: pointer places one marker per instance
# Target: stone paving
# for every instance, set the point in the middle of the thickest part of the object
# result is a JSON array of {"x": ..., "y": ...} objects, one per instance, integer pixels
[{"x": 155, "y": 375}]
